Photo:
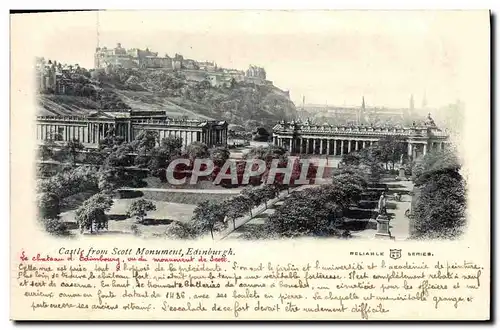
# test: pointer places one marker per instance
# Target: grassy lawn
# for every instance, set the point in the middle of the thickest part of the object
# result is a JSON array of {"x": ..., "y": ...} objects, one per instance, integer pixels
[
  {"x": 155, "y": 222},
  {"x": 184, "y": 198},
  {"x": 153, "y": 182}
]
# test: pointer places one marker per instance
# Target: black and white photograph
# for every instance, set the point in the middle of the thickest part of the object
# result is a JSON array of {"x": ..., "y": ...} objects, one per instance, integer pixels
[
  {"x": 165, "y": 134},
  {"x": 250, "y": 165}
]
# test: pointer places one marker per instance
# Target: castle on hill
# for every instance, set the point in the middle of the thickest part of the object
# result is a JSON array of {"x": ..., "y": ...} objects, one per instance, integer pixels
[{"x": 119, "y": 57}]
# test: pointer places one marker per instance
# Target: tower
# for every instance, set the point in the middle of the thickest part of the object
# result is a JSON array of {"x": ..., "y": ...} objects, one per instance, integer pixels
[
  {"x": 361, "y": 112},
  {"x": 412, "y": 103}
]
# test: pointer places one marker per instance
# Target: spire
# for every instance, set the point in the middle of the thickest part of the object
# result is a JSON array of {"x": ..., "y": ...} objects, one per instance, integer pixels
[
  {"x": 361, "y": 111},
  {"x": 412, "y": 102}
]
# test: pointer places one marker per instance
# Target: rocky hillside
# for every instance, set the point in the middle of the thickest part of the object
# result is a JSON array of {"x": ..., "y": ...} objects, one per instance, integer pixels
[{"x": 239, "y": 103}]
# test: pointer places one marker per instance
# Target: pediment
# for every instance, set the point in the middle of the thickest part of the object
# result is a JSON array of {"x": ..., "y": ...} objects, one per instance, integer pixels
[{"x": 100, "y": 115}]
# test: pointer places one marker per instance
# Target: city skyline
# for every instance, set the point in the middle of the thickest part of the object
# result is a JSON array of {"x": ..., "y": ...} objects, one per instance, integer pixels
[{"x": 323, "y": 63}]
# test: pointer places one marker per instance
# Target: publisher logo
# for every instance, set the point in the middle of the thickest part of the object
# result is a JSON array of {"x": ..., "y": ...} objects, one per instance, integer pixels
[{"x": 395, "y": 254}]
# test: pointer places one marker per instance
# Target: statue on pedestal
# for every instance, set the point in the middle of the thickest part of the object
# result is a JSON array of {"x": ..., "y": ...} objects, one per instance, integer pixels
[
  {"x": 383, "y": 219},
  {"x": 382, "y": 204}
]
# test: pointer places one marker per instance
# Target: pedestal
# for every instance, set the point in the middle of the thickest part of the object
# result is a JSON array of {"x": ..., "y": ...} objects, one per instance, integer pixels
[
  {"x": 402, "y": 173},
  {"x": 383, "y": 227}
]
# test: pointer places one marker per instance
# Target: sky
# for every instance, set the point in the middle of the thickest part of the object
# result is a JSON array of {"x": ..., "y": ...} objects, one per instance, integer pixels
[{"x": 328, "y": 57}]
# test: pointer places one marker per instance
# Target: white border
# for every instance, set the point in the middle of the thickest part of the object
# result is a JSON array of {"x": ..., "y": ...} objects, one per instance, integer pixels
[{"x": 185, "y": 4}]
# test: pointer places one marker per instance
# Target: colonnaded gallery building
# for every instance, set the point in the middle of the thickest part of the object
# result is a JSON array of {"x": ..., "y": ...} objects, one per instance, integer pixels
[
  {"x": 308, "y": 138},
  {"x": 95, "y": 126}
]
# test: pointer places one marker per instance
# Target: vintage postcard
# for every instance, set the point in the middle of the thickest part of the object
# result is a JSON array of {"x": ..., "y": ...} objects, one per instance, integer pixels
[{"x": 250, "y": 165}]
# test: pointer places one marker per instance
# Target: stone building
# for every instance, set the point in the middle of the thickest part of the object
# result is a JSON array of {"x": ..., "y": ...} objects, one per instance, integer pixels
[
  {"x": 93, "y": 127},
  {"x": 131, "y": 58},
  {"x": 309, "y": 138},
  {"x": 256, "y": 72},
  {"x": 52, "y": 77}
]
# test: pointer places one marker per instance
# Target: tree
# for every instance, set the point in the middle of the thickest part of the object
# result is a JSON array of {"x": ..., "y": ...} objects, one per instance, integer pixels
[
  {"x": 268, "y": 153},
  {"x": 169, "y": 148},
  {"x": 352, "y": 174},
  {"x": 371, "y": 161},
  {"x": 260, "y": 134},
  {"x": 179, "y": 230},
  {"x": 48, "y": 205},
  {"x": 197, "y": 150},
  {"x": 110, "y": 143},
  {"x": 55, "y": 227},
  {"x": 68, "y": 183},
  {"x": 145, "y": 141},
  {"x": 351, "y": 159},
  {"x": 302, "y": 213},
  {"x": 91, "y": 214},
  {"x": 208, "y": 216},
  {"x": 140, "y": 209},
  {"x": 237, "y": 207},
  {"x": 252, "y": 194},
  {"x": 392, "y": 149},
  {"x": 439, "y": 198},
  {"x": 44, "y": 152},
  {"x": 267, "y": 192},
  {"x": 73, "y": 147},
  {"x": 120, "y": 157},
  {"x": 219, "y": 155}
]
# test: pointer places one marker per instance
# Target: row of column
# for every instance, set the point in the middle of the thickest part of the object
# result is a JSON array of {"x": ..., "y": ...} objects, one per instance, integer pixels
[
  {"x": 414, "y": 147},
  {"x": 91, "y": 133},
  {"x": 335, "y": 147},
  {"x": 61, "y": 132},
  {"x": 339, "y": 147},
  {"x": 187, "y": 136},
  {"x": 213, "y": 137},
  {"x": 97, "y": 132}
]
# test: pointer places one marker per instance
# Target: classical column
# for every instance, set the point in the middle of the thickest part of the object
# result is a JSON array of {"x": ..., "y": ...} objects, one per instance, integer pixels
[
  {"x": 321, "y": 146},
  {"x": 328, "y": 147},
  {"x": 364, "y": 144},
  {"x": 290, "y": 145},
  {"x": 349, "y": 142},
  {"x": 334, "y": 147},
  {"x": 410, "y": 149},
  {"x": 425, "y": 149},
  {"x": 341, "y": 147},
  {"x": 314, "y": 146},
  {"x": 357, "y": 145}
]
